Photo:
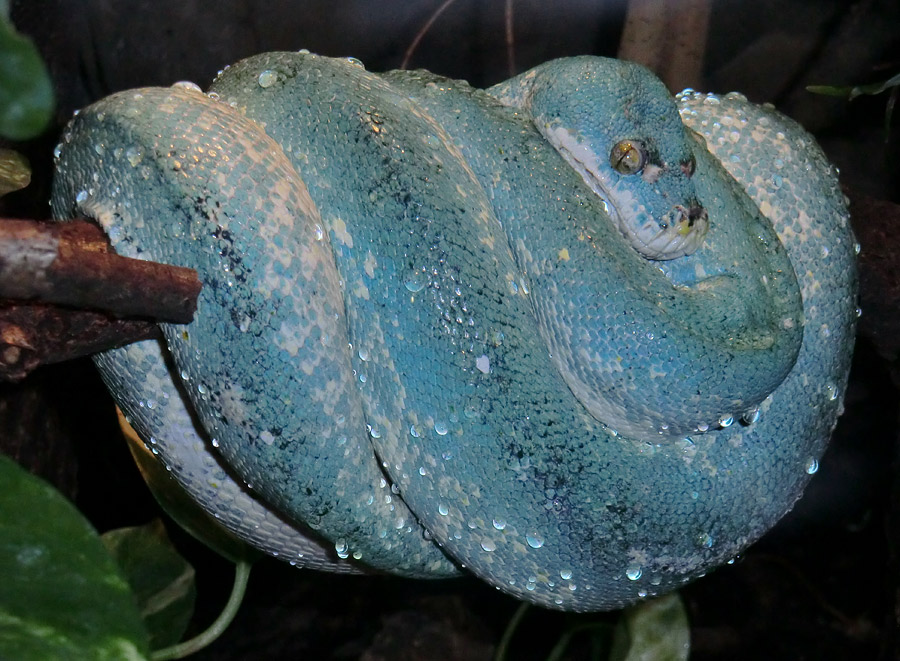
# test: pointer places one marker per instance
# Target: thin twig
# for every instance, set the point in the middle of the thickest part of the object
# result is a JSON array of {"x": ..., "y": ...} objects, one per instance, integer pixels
[
  {"x": 510, "y": 38},
  {"x": 407, "y": 56}
]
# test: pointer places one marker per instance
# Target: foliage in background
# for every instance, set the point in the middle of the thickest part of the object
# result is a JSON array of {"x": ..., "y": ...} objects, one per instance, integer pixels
[
  {"x": 62, "y": 595},
  {"x": 26, "y": 94},
  {"x": 853, "y": 91}
]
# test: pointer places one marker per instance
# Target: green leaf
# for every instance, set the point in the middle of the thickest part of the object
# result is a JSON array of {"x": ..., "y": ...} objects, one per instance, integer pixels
[
  {"x": 15, "y": 173},
  {"x": 160, "y": 578},
  {"x": 655, "y": 630},
  {"x": 853, "y": 91},
  {"x": 61, "y": 594},
  {"x": 178, "y": 503},
  {"x": 26, "y": 94}
]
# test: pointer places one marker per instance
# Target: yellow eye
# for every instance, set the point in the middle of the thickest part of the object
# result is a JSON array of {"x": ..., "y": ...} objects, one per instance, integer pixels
[{"x": 628, "y": 156}]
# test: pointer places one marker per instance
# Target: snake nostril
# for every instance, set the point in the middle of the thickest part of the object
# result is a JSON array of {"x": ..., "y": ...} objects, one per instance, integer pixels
[{"x": 695, "y": 213}]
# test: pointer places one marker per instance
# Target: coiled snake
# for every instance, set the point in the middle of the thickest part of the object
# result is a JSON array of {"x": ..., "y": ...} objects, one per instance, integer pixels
[{"x": 545, "y": 332}]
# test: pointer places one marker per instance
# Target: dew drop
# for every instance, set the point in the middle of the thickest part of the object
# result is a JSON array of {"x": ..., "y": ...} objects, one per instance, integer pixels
[
  {"x": 341, "y": 548},
  {"x": 187, "y": 85},
  {"x": 414, "y": 432},
  {"x": 499, "y": 524},
  {"x": 812, "y": 465},
  {"x": 267, "y": 78},
  {"x": 415, "y": 282},
  {"x": 633, "y": 572},
  {"x": 133, "y": 155},
  {"x": 443, "y": 510},
  {"x": 534, "y": 540},
  {"x": 488, "y": 545},
  {"x": 726, "y": 421},
  {"x": 565, "y": 574},
  {"x": 81, "y": 196},
  {"x": 440, "y": 428}
]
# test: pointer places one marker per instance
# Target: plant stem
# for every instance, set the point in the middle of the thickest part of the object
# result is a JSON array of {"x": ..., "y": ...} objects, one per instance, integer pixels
[{"x": 181, "y": 650}]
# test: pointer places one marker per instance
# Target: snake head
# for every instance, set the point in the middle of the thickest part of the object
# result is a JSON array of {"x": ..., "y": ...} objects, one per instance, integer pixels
[{"x": 616, "y": 124}]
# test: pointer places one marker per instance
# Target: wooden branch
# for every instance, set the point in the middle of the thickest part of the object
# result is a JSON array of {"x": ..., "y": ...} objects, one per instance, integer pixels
[
  {"x": 65, "y": 294},
  {"x": 72, "y": 264},
  {"x": 38, "y": 334},
  {"x": 669, "y": 38}
]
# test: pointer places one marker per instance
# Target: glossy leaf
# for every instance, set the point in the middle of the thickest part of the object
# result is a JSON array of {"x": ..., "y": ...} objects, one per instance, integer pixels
[
  {"x": 655, "y": 630},
  {"x": 62, "y": 596},
  {"x": 26, "y": 94},
  {"x": 15, "y": 173},
  {"x": 160, "y": 578}
]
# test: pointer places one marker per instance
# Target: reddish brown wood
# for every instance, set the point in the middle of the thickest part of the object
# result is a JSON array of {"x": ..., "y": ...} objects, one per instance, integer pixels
[
  {"x": 64, "y": 293},
  {"x": 71, "y": 264}
]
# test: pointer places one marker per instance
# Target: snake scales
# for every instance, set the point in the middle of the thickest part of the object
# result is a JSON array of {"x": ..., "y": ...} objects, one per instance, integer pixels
[{"x": 570, "y": 334}]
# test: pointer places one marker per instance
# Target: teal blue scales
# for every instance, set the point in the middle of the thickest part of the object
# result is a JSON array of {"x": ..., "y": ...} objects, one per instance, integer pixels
[{"x": 569, "y": 334}]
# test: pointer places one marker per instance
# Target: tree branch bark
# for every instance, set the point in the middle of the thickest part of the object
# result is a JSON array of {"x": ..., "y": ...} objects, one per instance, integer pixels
[
  {"x": 65, "y": 294},
  {"x": 669, "y": 38}
]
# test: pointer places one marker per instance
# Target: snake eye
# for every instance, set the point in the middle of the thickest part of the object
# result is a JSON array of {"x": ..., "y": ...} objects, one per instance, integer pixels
[
  {"x": 689, "y": 166},
  {"x": 628, "y": 156}
]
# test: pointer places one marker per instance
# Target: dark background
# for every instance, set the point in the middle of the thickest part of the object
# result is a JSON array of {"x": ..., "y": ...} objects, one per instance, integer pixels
[{"x": 822, "y": 585}]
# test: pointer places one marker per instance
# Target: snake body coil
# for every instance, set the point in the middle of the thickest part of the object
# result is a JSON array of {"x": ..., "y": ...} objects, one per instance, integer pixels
[{"x": 545, "y": 332}]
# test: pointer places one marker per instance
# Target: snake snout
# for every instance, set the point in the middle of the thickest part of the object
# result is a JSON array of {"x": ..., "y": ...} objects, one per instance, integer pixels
[
  {"x": 696, "y": 214},
  {"x": 678, "y": 233}
]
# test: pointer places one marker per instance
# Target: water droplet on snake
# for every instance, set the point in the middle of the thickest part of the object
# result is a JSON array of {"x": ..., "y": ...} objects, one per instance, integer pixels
[{"x": 267, "y": 78}]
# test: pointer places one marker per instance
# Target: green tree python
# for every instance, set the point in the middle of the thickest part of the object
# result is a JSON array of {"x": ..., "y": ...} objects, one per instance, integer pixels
[{"x": 570, "y": 334}]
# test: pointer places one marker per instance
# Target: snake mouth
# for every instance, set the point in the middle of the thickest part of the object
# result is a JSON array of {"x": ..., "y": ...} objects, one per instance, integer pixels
[{"x": 679, "y": 233}]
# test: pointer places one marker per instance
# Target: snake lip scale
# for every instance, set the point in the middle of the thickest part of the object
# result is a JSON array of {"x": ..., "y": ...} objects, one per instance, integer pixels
[{"x": 424, "y": 346}]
